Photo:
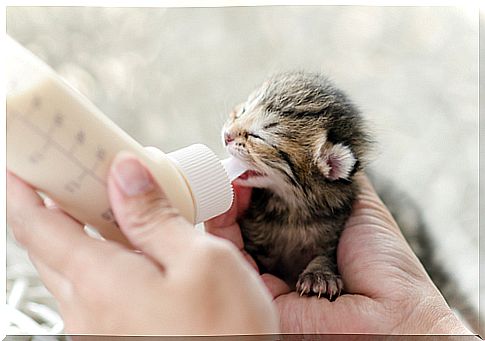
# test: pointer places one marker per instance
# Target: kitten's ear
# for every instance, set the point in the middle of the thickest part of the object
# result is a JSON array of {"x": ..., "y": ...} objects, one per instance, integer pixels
[{"x": 335, "y": 161}]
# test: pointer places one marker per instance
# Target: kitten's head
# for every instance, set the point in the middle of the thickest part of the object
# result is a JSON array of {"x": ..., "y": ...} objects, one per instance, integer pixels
[{"x": 295, "y": 132}]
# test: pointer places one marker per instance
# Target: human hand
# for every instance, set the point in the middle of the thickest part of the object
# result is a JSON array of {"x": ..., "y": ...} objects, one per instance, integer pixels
[
  {"x": 387, "y": 289},
  {"x": 182, "y": 282}
]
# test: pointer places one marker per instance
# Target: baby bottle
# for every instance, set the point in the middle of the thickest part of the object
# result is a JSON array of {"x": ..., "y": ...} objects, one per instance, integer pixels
[{"x": 62, "y": 145}]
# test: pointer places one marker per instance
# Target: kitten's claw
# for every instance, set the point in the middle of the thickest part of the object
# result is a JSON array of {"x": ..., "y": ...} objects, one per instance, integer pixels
[
  {"x": 332, "y": 288},
  {"x": 319, "y": 283},
  {"x": 340, "y": 286},
  {"x": 304, "y": 289}
]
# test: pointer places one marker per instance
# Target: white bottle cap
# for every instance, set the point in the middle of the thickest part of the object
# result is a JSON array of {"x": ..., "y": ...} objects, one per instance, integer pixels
[{"x": 210, "y": 185}]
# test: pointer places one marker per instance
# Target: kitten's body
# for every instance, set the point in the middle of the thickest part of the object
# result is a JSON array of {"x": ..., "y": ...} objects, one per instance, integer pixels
[
  {"x": 304, "y": 141},
  {"x": 287, "y": 130},
  {"x": 285, "y": 243}
]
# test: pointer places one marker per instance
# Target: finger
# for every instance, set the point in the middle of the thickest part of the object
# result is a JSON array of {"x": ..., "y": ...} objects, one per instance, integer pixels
[
  {"x": 369, "y": 207},
  {"x": 243, "y": 195},
  {"x": 58, "y": 285},
  {"x": 250, "y": 260},
  {"x": 275, "y": 285},
  {"x": 242, "y": 198},
  {"x": 225, "y": 225},
  {"x": 231, "y": 233},
  {"x": 22, "y": 200},
  {"x": 226, "y": 219},
  {"x": 17, "y": 189},
  {"x": 144, "y": 213},
  {"x": 372, "y": 243},
  {"x": 52, "y": 205},
  {"x": 36, "y": 227}
]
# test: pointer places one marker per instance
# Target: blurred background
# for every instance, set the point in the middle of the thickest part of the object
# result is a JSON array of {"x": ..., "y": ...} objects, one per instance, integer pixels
[{"x": 170, "y": 76}]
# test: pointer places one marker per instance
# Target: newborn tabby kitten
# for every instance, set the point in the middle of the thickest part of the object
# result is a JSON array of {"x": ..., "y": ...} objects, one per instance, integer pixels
[{"x": 303, "y": 141}]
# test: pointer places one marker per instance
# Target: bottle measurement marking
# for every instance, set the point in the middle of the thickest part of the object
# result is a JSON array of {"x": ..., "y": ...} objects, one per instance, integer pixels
[
  {"x": 72, "y": 185},
  {"x": 36, "y": 102},
  {"x": 79, "y": 140},
  {"x": 38, "y": 155}
]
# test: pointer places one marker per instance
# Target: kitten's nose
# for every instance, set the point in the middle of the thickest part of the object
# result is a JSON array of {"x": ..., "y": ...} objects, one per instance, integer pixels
[{"x": 228, "y": 138}]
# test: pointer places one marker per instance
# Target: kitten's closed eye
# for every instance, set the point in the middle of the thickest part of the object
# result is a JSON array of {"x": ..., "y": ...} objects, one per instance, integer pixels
[
  {"x": 270, "y": 125},
  {"x": 256, "y": 136}
]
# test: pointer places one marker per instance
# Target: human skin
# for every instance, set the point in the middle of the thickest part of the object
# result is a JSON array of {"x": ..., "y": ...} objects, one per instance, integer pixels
[
  {"x": 187, "y": 282},
  {"x": 387, "y": 289},
  {"x": 182, "y": 282}
]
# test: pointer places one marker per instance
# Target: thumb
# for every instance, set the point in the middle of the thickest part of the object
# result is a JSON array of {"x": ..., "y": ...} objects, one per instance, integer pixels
[
  {"x": 143, "y": 211},
  {"x": 275, "y": 285}
]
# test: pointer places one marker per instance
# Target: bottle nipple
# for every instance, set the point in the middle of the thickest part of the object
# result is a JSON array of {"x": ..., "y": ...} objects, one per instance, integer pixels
[{"x": 233, "y": 167}]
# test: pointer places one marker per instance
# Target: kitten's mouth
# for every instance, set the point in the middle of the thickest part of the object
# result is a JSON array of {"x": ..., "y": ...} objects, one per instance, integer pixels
[
  {"x": 252, "y": 178},
  {"x": 250, "y": 174}
]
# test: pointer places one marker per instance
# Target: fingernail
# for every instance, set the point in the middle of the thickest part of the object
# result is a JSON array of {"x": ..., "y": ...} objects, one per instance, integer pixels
[
  {"x": 132, "y": 178},
  {"x": 49, "y": 203}
]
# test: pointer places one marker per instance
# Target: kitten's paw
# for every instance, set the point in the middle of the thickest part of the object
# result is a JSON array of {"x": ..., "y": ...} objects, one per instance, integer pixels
[{"x": 319, "y": 283}]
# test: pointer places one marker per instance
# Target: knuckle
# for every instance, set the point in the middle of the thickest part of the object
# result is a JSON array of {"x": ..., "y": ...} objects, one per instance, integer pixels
[
  {"x": 217, "y": 251},
  {"x": 210, "y": 262},
  {"x": 153, "y": 208},
  {"x": 19, "y": 222},
  {"x": 151, "y": 219},
  {"x": 19, "y": 233}
]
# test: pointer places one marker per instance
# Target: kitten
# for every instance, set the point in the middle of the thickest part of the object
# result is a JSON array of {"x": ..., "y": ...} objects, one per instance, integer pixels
[{"x": 303, "y": 141}]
